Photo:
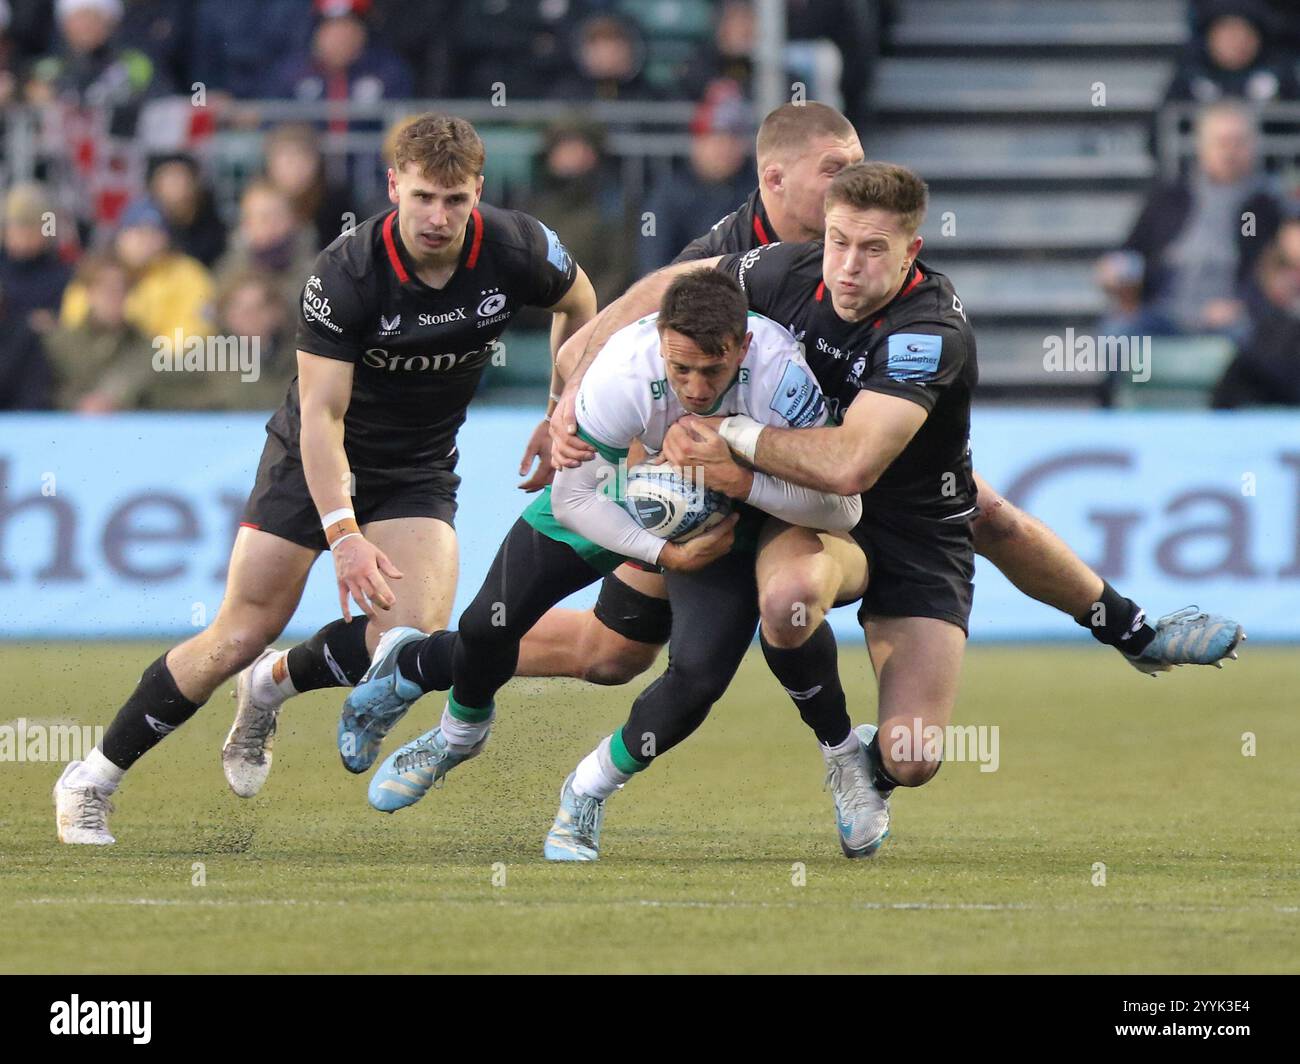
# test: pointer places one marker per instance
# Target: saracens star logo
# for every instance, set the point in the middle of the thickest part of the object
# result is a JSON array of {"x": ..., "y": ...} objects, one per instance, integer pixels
[{"x": 491, "y": 305}]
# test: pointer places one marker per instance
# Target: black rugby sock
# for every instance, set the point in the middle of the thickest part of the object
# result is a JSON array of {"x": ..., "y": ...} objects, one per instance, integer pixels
[
  {"x": 428, "y": 662},
  {"x": 155, "y": 709},
  {"x": 811, "y": 677},
  {"x": 880, "y": 777},
  {"x": 336, "y": 656},
  {"x": 1118, "y": 622}
]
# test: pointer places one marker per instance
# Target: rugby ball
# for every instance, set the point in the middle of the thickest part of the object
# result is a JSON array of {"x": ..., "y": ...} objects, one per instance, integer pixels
[{"x": 669, "y": 505}]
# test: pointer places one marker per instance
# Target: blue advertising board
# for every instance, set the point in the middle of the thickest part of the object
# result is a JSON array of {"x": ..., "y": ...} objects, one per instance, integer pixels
[{"x": 121, "y": 526}]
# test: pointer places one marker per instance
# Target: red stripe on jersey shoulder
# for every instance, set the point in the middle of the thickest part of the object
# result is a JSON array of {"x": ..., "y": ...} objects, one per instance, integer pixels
[
  {"x": 249, "y": 524},
  {"x": 478, "y": 240},
  {"x": 821, "y": 291},
  {"x": 916, "y": 280},
  {"x": 760, "y": 232},
  {"x": 391, "y": 247}
]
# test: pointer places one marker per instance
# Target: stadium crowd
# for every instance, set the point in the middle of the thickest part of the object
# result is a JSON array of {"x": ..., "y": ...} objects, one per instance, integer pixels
[{"x": 121, "y": 237}]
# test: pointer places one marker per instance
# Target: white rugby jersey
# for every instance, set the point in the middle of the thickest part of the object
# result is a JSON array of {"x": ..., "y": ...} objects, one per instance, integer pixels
[{"x": 625, "y": 394}]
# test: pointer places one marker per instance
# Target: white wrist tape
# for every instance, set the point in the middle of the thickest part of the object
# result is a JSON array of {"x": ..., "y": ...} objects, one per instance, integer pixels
[
  {"x": 342, "y": 538},
  {"x": 741, "y": 434},
  {"x": 337, "y": 515}
]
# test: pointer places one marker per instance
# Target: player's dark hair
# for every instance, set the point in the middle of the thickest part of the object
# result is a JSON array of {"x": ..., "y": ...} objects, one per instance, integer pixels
[
  {"x": 881, "y": 186},
  {"x": 442, "y": 147},
  {"x": 708, "y": 306},
  {"x": 788, "y": 129}
]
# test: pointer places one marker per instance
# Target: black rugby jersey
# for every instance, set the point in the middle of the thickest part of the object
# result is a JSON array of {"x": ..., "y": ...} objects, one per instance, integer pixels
[
  {"x": 418, "y": 351},
  {"x": 919, "y": 346},
  {"x": 744, "y": 228}
]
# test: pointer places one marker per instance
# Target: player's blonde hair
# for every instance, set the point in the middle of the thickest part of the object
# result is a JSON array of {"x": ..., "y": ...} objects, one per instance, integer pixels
[
  {"x": 881, "y": 186},
  {"x": 442, "y": 147}
]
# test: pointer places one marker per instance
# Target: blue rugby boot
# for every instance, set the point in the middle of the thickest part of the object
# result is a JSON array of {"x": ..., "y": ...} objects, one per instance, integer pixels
[
  {"x": 575, "y": 835},
  {"x": 407, "y": 775},
  {"x": 377, "y": 703},
  {"x": 861, "y": 812},
  {"x": 1189, "y": 636}
]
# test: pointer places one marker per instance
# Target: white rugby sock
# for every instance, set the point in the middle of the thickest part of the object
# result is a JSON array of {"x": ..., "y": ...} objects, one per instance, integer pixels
[
  {"x": 268, "y": 690},
  {"x": 97, "y": 771},
  {"x": 462, "y": 734},
  {"x": 848, "y": 746},
  {"x": 596, "y": 776}
]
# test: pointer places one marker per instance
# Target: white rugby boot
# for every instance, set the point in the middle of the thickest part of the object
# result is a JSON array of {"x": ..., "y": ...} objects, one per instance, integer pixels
[
  {"x": 81, "y": 811},
  {"x": 246, "y": 755}
]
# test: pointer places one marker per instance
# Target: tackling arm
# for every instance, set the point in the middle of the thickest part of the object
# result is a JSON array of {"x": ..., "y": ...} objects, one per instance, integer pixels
[{"x": 847, "y": 459}]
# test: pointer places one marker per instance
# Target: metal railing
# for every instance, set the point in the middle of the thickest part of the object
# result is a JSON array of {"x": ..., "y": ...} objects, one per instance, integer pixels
[{"x": 644, "y": 140}]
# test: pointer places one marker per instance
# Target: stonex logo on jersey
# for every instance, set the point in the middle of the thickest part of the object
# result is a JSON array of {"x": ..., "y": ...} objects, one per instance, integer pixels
[
  {"x": 381, "y": 358},
  {"x": 912, "y": 356},
  {"x": 797, "y": 397}
]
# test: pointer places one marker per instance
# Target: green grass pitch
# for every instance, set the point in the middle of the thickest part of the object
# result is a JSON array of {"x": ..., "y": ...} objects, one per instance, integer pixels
[{"x": 722, "y": 857}]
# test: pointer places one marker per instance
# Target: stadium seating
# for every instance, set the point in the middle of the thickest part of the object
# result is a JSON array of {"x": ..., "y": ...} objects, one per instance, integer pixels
[
  {"x": 1030, "y": 177},
  {"x": 1183, "y": 370}
]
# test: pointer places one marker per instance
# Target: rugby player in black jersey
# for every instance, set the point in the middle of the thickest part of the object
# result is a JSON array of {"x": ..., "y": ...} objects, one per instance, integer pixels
[
  {"x": 398, "y": 321},
  {"x": 888, "y": 340},
  {"x": 800, "y": 148}
]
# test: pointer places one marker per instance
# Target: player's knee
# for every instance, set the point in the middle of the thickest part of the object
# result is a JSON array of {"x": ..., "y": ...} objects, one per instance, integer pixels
[
  {"x": 694, "y": 688},
  {"x": 912, "y": 772},
  {"x": 616, "y": 661},
  {"x": 236, "y": 645},
  {"x": 789, "y": 603}
]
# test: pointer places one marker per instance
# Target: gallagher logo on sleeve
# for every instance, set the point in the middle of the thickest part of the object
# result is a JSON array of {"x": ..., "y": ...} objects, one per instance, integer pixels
[
  {"x": 797, "y": 398},
  {"x": 912, "y": 356}
]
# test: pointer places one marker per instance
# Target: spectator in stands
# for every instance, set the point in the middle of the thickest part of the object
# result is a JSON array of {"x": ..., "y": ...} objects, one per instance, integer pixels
[
  {"x": 250, "y": 305},
  {"x": 343, "y": 62},
  {"x": 31, "y": 29},
  {"x": 854, "y": 26},
  {"x": 234, "y": 40},
  {"x": 1200, "y": 236},
  {"x": 419, "y": 34},
  {"x": 270, "y": 241},
  {"x": 1266, "y": 368},
  {"x": 1266, "y": 371},
  {"x": 729, "y": 54},
  {"x": 91, "y": 68},
  {"x": 610, "y": 63},
  {"x": 25, "y": 378},
  {"x": 250, "y": 308},
  {"x": 186, "y": 204},
  {"x": 1229, "y": 59},
  {"x": 579, "y": 197},
  {"x": 718, "y": 180},
  {"x": 524, "y": 45},
  {"x": 8, "y": 58},
  {"x": 102, "y": 364},
  {"x": 32, "y": 271},
  {"x": 169, "y": 290},
  {"x": 295, "y": 166},
  {"x": 161, "y": 30}
]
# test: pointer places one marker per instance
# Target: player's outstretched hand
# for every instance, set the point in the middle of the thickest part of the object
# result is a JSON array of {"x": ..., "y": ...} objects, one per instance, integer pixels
[
  {"x": 539, "y": 448},
  {"x": 568, "y": 449},
  {"x": 703, "y": 550},
  {"x": 360, "y": 567}
]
